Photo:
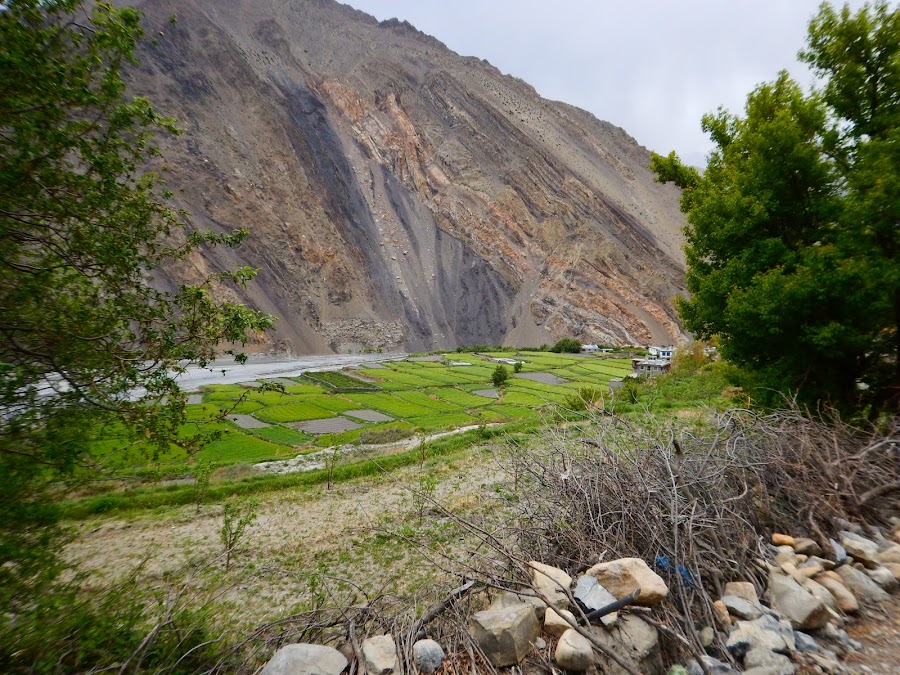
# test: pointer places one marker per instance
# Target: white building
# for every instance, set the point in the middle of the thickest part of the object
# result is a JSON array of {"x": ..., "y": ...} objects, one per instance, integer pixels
[{"x": 662, "y": 352}]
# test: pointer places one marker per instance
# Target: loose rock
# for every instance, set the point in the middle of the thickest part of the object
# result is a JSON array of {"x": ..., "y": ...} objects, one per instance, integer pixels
[
  {"x": 742, "y": 589},
  {"x": 621, "y": 577},
  {"x": 380, "y": 654},
  {"x": 574, "y": 651},
  {"x": 635, "y": 641},
  {"x": 428, "y": 656},
  {"x": 806, "y": 546},
  {"x": 842, "y": 595},
  {"x": 505, "y": 635},
  {"x": 820, "y": 592},
  {"x": 805, "y": 643},
  {"x": 741, "y": 608},
  {"x": 883, "y": 577},
  {"x": 713, "y": 665},
  {"x": 763, "y": 633},
  {"x": 862, "y": 549},
  {"x": 861, "y": 584},
  {"x": 551, "y": 582},
  {"x": 555, "y": 624},
  {"x": 722, "y": 612},
  {"x": 763, "y": 658},
  {"x": 593, "y": 596},
  {"x": 305, "y": 659},
  {"x": 782, "y": 539},
  {"x": 795, "y": 604}
]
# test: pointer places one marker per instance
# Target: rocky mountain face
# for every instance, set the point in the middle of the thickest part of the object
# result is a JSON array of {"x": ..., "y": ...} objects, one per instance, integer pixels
[{"x": 397, "y": 194}]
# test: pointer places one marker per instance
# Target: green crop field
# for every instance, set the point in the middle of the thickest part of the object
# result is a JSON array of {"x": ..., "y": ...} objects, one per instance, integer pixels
[{"x": 420, "y": 396}]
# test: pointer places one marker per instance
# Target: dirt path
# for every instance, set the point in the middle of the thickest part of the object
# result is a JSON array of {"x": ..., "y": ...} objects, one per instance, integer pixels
[{"x": 879, "y": 632}]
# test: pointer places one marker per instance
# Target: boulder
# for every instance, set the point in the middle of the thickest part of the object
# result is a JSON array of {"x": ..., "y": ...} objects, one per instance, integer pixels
[
  {"x": 845, "y": 599},
  {"x": 763, "y": 633},
  {"x": 621, "y": 577},
  {"x": 806, "y": 546},
  {"x": 840, "y": 553},
  {"x": 821, "y": 593},
  {"x": 305, "y": 659},
  {"x": 741, "y": 608},
  {"x": 555, "y": 624},
  {"x": 505, "y": 635},
  {"x": 508, "y": 599},
  {"x": 889, "y": 554},
  {"x": 634, "y": 641},
  {"x": 428, "y": 656},
  {"x": 763, "y": 658},
  {"x": 861, "y": 584},
  {"x": 742, "y": 589},
  {"x": 380, "y": 654},
  {"x": 574, "y": 651},
  {"x": 861, "y": 549},
  {"x": 824, "y": 563},
  {"x": 551, "y": 582},
  {"x": 795, "y": 603},
  {"x": 593, "y": 596},
  {"x": 782, "y": 539},
  {"x": 883, "y": 577}
]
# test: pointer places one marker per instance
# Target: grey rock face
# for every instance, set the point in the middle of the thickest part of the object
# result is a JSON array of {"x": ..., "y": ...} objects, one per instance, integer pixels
[
  {"x": 428, "y": 656},
  {"x": 305, "y": 659},
  {"x": 805, "y": 643},
  {"x": 505, "y": 635}
]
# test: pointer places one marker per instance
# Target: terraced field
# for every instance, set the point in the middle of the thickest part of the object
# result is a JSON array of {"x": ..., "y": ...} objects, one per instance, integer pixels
[{"x": 417, "y": 396}]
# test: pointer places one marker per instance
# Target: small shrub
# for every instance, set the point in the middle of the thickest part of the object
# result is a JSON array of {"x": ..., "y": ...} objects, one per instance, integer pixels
[
  {"x": 500, "y": 375},
  {"x": 517, "y": 367},
  {"x": 238, "y": 515}
]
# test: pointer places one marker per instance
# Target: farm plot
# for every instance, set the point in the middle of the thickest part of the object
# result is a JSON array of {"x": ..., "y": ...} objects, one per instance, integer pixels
[
  {"x": 390, "y": 405},
  {"x": 293, "y": 412}
]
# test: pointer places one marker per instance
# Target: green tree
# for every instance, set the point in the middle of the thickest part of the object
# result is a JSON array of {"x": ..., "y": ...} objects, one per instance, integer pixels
[
  {"x": 500, "y": 375},
  {"x": 88, "y": 343},
  {"x": 792, "y": 228},
  {"x": 567, "y": 346}
]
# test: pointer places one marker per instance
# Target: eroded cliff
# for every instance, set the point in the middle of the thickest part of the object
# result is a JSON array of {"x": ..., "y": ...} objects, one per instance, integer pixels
[{"x": 399, "y": 195}]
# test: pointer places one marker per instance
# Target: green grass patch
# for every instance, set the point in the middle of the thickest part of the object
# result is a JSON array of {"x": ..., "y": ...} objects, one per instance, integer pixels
[
  {"x": 293, "y": 412},
  {"x": 285, "y": 435}
]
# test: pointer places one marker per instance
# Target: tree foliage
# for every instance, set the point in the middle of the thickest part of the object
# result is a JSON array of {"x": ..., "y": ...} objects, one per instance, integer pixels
[
  {"x": 792, "y": 232},
  {"x": 87, "y": 340},
  {"x": 566, "y": 346},
  {"x": 500, "y": 375}
]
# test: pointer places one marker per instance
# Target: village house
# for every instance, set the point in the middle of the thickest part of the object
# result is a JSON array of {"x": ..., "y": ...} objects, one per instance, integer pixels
[
  {"x": 662, "y": 352},
  {"x": 650, "y": 366}
]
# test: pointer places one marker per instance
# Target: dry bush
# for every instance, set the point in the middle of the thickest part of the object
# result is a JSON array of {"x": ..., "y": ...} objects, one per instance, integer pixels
[{"x": 697, "y": 501}]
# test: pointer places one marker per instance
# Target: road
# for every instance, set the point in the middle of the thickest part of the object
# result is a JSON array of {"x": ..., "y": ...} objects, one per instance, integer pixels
[{"x": 257, "y": 367}]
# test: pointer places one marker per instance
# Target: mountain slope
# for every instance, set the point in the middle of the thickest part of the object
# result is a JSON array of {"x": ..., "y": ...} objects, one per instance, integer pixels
[{"x": 398, "y": 194}]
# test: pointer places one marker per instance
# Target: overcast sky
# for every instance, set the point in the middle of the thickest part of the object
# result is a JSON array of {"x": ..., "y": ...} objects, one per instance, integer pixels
[{"x": 653, "y": 67}]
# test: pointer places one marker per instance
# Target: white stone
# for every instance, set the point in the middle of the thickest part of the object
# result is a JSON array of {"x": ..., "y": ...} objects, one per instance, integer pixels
[
  {"x": 796, "y": 604},
  {"x": 551, "y": 582},
  {"x": 305, "y": 659},
  {"x": 380, "y": 653},
  {"x": 555, "y": 624},
  {"x": 574, "y": 651}
]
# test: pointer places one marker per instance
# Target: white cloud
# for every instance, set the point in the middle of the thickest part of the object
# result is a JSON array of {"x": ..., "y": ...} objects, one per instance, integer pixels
[{"x": 652, "y": 67}]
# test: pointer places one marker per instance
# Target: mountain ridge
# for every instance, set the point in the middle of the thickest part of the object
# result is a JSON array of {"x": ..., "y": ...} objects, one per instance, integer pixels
[{"x": 399, "y": 195}]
